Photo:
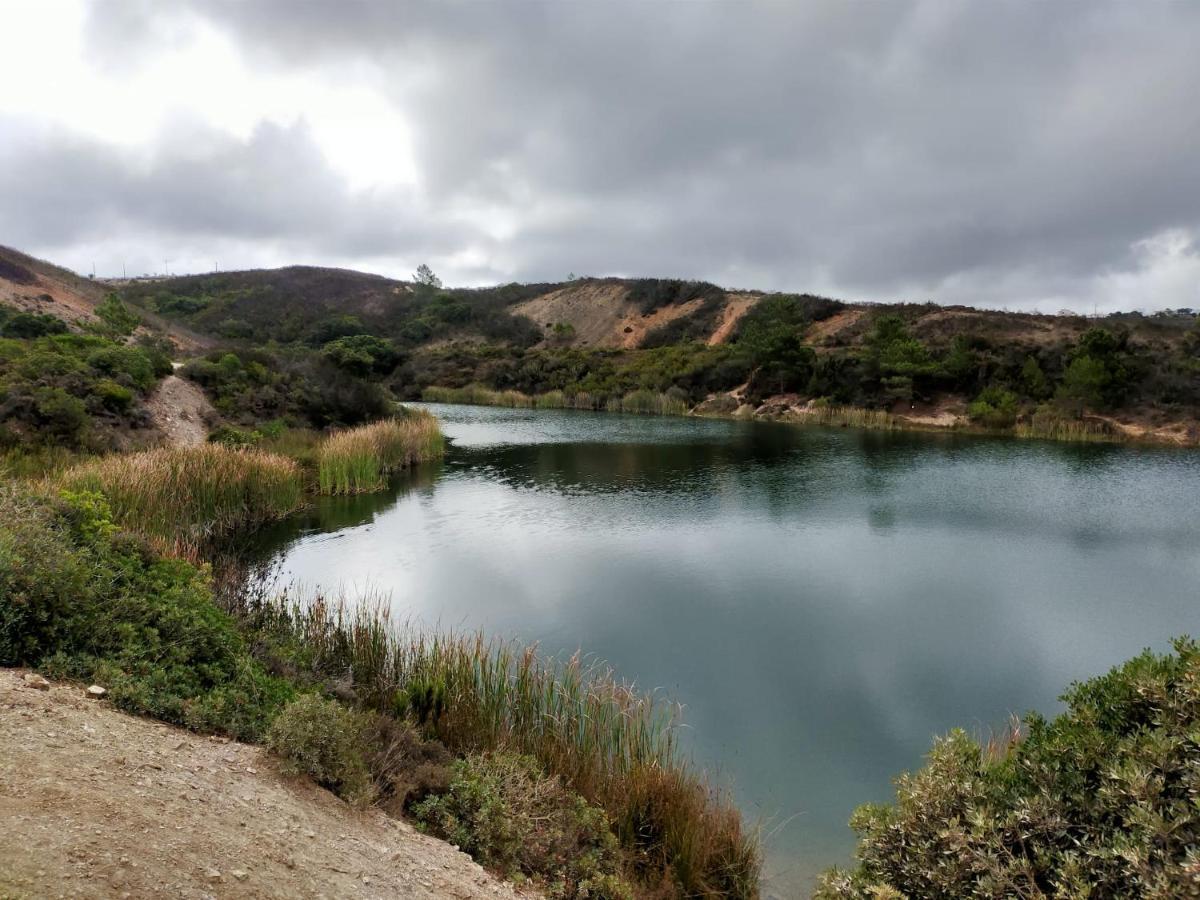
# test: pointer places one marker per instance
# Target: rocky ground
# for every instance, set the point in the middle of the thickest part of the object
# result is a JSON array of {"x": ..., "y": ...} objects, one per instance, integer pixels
[{"x": 95, "y": 803}]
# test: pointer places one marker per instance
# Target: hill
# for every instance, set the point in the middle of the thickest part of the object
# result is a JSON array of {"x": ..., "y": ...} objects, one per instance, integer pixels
[{"x": 596, "y": 342}]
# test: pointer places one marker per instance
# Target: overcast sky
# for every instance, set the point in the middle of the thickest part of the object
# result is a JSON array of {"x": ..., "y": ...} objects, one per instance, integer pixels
[{"x": 1029, "y": 155}]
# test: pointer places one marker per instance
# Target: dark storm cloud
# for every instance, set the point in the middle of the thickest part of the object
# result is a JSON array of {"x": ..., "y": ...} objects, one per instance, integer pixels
[{"x": 890, "y": 149}]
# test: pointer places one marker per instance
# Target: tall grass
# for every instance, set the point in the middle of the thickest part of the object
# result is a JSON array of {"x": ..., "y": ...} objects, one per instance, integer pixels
[
  {"x": 180, "y": 497},
  {"x": 854, "y": 417},
  {"x": 1058, "y": 428},
  {"x": 633, "y": 402},
  {"x": 477, "y": 395},
  {"x": 360, "y": 459},
  {"x": 650, "y": 402},
  {"x": 612, "y": 743}
]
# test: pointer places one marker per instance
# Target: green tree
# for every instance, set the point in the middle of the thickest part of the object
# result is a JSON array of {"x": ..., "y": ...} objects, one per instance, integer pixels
[
  {"x": 425, "y": 278},
  {"x": 771, "y": 337},
  {"x": 1033, "y": 379}
]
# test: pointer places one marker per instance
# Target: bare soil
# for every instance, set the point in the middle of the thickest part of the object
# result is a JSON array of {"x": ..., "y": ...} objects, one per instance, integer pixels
[
  {"x": 95, "y": 803},
  {"x": 736, "y": 306},
  {"x": 181, "y": 412}
]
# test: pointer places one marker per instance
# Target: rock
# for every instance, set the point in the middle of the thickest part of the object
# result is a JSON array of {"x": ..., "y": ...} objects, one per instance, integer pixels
[
  {"x": 239, "y": 874},
  {"x": 96, "y": 692},
  {"x": 33, "y": 680},
  {"x": 213, "y": 875}
]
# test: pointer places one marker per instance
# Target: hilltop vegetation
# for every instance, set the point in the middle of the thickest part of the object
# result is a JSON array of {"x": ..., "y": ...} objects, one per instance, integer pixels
[{"x": 596, "y": 341}]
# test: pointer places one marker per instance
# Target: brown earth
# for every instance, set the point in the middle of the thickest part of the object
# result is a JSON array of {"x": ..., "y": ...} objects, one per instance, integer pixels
[
  {"x": 95, "y": 803},
  {"x": 34, "y": 285},
  {"x": 181, "y": 412},
  {"x": 736, "y": 306}
]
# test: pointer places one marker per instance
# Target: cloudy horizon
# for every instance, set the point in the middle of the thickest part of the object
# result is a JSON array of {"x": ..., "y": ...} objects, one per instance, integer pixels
[{"x": 1019, "y": 155}]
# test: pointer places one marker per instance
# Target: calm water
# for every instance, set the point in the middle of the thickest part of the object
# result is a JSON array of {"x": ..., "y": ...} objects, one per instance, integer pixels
[{"x": 823, "y": 601}]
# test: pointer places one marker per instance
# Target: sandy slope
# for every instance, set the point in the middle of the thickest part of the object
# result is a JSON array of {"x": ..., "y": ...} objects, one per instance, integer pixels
[
  {"x": 181, "y": 411},
  {"x": 95, "y": 803}
]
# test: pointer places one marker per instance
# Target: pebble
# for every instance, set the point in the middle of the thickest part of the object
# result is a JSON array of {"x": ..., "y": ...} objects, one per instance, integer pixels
[{"x": 96, "y": 692}]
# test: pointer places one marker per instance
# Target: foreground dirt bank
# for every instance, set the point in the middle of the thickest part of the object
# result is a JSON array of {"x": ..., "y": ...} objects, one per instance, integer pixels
[{"x": 95, "y": 803}]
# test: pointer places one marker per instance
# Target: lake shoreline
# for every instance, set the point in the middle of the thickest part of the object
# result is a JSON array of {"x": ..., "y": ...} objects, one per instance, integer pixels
[{"x": 792, "y": 409}]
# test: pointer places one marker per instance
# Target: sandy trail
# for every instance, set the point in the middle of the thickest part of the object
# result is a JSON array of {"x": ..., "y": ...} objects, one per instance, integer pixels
[
  {"x": 181, "y": 411},
  {"x": 95, "y": 803}
]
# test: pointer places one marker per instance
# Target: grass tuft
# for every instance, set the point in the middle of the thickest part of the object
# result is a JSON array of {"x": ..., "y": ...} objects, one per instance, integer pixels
[
  {"x": 180, "y": 497},
  {"x": 359, "y": 460}
]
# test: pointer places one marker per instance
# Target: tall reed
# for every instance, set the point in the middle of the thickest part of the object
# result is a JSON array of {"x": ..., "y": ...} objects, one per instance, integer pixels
[
  {"x": 183, "y": 496},
  {"x": 853, "y": 417},
  {"x": 633, "y": 402},
  {"x": 648, "y": 402},
  {"x": 612, "y": 743},
  {"x": 360, "y": 459},
  {"x": 1058, "y": 428}
]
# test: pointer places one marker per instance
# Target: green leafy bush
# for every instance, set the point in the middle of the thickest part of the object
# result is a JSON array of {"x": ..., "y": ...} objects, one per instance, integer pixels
[
  {"x": 1100, "y": 802},
  {"x": 508, "y": 814},
  {"x": 322, "y": 739},
  {"x": 995, "y": 408},
  {"x": 81, "y": 599}
]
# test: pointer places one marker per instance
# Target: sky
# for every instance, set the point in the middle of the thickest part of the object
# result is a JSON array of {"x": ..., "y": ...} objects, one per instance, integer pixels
[{"x": 1024, "y": 155}]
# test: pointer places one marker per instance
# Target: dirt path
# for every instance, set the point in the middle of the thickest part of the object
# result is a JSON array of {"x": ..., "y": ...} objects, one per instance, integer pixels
[
  {"x": 181, "y": 412},
  {"x": 95, "y": 803}
]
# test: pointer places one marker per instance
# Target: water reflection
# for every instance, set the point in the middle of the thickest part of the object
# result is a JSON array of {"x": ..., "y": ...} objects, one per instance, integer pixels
[{"x": 823, "y": 601}]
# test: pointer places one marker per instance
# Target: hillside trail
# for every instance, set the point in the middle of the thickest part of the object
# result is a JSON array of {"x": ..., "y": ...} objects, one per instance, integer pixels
[
  {"x": 96, "y": 803},
  {"x": 181, "y": 412}
]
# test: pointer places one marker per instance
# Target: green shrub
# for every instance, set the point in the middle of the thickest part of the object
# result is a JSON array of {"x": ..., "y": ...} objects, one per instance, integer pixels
[
  {"x": 509, "y": 815},
  {"x": 994, "y": 408},
  {"x": 322, "y": 739},
  {"x": 1099, "y": 802},
  {"x": 32, "y": 325},
  {"x": 112, "y": 396},
  {"x": 80, "y": 599}
]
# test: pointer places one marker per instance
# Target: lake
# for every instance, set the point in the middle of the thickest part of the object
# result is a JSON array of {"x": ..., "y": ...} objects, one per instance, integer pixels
[{"x": 823, "y": 601}]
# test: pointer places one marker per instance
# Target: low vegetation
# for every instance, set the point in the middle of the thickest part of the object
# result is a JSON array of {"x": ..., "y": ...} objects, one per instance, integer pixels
[
  {"x": 1099, "y": 802},
  {"x": 184, "y": 496},
  {"x": 612, "y": 745},
  {"x": 642, "y": 401},
  {"x": 361, "y": 459},
  {"x": 82, "y": 598},
  {"x": 83, "y": 392}
]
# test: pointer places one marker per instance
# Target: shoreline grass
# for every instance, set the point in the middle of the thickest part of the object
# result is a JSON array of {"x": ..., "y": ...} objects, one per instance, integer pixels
[
  {"x": 359, "y": 460},
  {"x": 642, "y": 401},
  {"x": 610, "y": 742},
  {"x": 184, "y": 496}
]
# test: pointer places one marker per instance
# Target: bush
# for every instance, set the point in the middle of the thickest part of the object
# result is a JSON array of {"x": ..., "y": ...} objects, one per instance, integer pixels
[
  {"x": 509, "y": 815},
  {"x": 994, "y": 408},
  {"x": 1098, "y": 803},
  {"x": 80, "y": 599},
  {"x": 324, "y": 740}
]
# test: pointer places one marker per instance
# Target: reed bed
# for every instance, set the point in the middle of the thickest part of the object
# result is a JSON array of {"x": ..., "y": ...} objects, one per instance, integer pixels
[
  {"x": 477, "y": 395},
  {"x": 359, "y": 460},
  {"x": 180, "y": 497},
  {"x": 612, "y": 743},
  {"x": 649, "y": 402},
  {"x": 1056, "y": 428},
  {"x": 633, "y": 402},
  {"x": 854, "y": 417}
]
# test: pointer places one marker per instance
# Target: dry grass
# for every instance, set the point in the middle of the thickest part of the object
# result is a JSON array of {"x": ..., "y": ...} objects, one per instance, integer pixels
[
  {"x": 181, "y": 497},
  {"x": 854, "y": 417},
  {"x": 612, "y": 743},
  {"x": 359, "y": 460}
]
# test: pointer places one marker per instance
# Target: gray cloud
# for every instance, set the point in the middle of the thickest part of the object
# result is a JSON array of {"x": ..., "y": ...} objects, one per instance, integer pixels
[{"x": 968, "y": 152}]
